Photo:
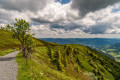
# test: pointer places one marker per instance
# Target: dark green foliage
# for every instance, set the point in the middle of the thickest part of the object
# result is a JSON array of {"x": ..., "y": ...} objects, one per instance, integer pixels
[{"x": 68, "y": 51}]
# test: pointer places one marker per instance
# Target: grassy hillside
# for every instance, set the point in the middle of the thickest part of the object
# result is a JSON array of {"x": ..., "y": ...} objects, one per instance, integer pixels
[
  {"x": 68, "y": 62},
  {"x": 7, "y": 43},
  {"x": 51, "y": 61},
  {"x": 41, "y": 68},
  {"x": 89, "y": 61}
]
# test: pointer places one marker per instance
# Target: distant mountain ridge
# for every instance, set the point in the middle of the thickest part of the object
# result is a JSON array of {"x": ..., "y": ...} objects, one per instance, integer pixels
[{"x": 91, "y": 42}]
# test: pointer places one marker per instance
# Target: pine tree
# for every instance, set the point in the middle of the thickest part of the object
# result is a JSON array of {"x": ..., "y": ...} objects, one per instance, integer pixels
[
  {"x": 51, "y": 54},
  {"x": 59, "y": 62},
  {"x": 65, "y": 46},
  {"x": 65, "y": 61}
]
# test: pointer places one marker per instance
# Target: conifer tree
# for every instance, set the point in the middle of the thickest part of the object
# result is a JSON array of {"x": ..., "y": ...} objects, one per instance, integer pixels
[{"x": 59, "y": 62}]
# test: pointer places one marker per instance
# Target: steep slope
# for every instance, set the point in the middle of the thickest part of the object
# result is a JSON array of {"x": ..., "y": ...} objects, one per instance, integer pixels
[
  {"x": 40, "y": 67},
  {"x": 68, "y": 62},
  {"x": 89, "y": 61}
]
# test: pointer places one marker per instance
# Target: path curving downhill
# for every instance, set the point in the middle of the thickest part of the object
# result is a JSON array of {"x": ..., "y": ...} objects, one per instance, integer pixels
[{"x": 8, "y": 66}]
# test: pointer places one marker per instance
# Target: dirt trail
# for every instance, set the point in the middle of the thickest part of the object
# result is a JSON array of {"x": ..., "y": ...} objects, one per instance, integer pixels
[{"x": 8, "y": 66}]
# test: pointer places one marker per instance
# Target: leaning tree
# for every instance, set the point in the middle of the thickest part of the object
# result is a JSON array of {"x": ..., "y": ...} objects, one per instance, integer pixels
[{"x": 21, "y": 31}]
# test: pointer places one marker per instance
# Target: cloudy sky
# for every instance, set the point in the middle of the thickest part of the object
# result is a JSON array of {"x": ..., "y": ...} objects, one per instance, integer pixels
[{"x": 65, "y": 18}]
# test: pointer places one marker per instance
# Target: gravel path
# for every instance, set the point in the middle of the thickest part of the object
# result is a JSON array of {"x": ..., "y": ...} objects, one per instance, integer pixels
[{"x": 8, "y": 66}]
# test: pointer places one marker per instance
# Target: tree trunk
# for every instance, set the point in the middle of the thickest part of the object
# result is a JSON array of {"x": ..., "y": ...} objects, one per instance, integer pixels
[{"x": 23, "y": 50}]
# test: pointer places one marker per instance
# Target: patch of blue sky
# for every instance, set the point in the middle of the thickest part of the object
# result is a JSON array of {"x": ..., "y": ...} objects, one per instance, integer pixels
[
  {"x": 116, "y": 9},
  {"x": 64, "y": 1}
]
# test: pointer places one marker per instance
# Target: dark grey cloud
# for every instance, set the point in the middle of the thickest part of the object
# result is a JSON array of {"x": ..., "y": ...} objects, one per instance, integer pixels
[
  {"x": 99, "y": 28},
  {"x": 86, "y": 6},
  {"x": 21, "y": 5},
  {"x": 40, "y": 21},
  {"x": 67, "y": 27}
]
